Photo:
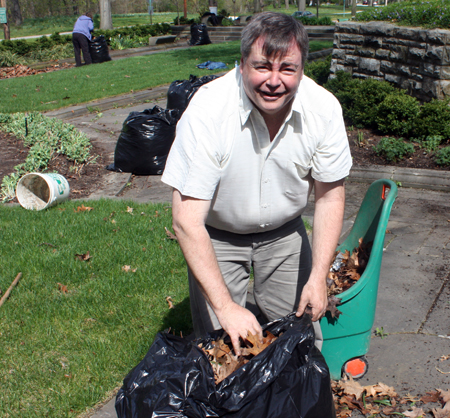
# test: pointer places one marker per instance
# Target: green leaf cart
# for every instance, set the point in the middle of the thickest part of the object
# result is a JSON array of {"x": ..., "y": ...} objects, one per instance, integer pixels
[{"x": 347, "y": 338}]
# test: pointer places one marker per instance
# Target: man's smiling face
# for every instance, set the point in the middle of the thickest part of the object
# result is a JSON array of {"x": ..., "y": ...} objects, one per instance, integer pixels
[{"x": 271, "y": 82}]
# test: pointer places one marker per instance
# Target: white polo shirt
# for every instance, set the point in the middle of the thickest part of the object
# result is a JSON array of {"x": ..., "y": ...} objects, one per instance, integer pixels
[{"x": 222, "y": 152}]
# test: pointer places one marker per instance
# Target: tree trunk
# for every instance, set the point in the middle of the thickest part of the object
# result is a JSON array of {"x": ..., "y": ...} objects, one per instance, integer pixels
[
  {"x": 286, "y": 3},
  {"x": 301, "y": 5},
  {"x": 353, "y": 7},
  {"x": 16, "y": 13},
  {"x": 105, "y": 14}
]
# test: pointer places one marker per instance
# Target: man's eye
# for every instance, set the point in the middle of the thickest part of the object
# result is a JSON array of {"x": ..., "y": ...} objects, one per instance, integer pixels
[{"x": 288, "y": 70}]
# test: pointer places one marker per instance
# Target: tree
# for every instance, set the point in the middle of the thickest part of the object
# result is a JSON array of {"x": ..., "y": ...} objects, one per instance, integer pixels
[
  {"x": 105, "y": 14},
  {"x": 16, "y": 13}
]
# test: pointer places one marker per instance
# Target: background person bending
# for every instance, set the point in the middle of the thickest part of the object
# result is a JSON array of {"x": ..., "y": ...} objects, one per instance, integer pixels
[
  {"x": 248, "y": 151},
  {"x": 81, "y": 36}
]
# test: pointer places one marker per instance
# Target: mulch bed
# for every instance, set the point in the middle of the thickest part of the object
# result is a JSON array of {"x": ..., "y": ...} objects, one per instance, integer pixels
[{"x": 23, "y": 70}]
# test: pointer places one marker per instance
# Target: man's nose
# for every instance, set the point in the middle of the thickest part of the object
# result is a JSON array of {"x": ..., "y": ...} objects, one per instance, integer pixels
[{"x": 274, "y": 79}]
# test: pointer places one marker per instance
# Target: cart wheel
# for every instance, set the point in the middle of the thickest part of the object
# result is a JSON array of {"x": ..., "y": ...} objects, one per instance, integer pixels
[{"x": 356, "y": 367}]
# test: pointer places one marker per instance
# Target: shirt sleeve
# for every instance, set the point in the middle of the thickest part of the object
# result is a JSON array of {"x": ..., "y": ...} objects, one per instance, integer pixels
[
  {"x": 193, "y": 164},
  {"x": 332, "y": 160}
]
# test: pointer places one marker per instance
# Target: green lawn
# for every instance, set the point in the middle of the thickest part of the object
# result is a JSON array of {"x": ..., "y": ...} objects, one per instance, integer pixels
[
  {"x": 58, "y": 89},
  {"x": 71, "y": 329}
]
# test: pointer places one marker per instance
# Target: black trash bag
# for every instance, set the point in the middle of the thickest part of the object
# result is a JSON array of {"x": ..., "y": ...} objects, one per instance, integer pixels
[
  {"x": 199, "y": 35},
  {"x": 181, "y": 91},
  {"x": 98, "y": 48},
  {"x": 289, "y": 379},
  {"x": 145, "y": 141}
]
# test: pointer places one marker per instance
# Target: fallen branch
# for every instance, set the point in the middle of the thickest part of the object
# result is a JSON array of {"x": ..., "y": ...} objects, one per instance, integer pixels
[{"x": 5, "y": 296}]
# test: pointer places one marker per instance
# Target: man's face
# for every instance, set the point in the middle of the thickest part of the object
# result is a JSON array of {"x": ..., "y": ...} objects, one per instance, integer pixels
[{"x": 271, "y": 83}]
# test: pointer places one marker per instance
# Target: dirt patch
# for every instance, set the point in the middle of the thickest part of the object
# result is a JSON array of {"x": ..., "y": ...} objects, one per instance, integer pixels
[
  {"x": 363, "y": 153},
  {"x": 23, "y": 70},
  {"x": 83, "y": 180}
]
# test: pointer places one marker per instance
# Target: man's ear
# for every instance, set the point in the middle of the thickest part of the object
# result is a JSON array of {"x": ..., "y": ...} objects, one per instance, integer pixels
[{"x": 241, "y": 64}]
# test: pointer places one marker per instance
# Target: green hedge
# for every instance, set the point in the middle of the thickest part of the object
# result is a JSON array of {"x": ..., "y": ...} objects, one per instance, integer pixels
[{"x": 22, "y": 47}]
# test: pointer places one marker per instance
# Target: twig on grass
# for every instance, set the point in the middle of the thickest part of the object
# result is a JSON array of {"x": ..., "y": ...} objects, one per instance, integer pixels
[{"x": 5, "y": 296}]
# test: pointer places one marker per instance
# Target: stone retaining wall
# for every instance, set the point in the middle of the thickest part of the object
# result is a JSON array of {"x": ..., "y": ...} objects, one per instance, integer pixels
[{"x": 415, "y": 59}]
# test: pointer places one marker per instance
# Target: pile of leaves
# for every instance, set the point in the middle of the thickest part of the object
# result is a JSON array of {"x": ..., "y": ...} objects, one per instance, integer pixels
[
  {"x": 222, "y": 357},
  {"x": 345, "y": 270},
  {"x": 378, "y": 399},
  {"x": 23, "y": 70}
]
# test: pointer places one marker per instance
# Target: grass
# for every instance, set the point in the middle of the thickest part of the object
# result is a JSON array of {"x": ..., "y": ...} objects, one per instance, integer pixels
[
  {"x": 61, "y": 353},
  {"x": 43, "y": 92}
]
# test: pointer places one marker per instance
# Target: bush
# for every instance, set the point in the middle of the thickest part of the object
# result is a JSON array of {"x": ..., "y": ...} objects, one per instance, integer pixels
[
  {"x": 393, "y": 149},
  {"x": 319, "y": 70},
  {"x": 397, "y": 113},
  {"x": 433, "y": 119},
  {"x": 442, "y": 157},
  {"x": 367, "y": 97},
  {"x": 430, "y": 14},
  {"x": 314, "y": 21},
  {"x": 9, "y": 59},
  {"x": 344, "y": 87},
  {"x": 431, "y": 143}
]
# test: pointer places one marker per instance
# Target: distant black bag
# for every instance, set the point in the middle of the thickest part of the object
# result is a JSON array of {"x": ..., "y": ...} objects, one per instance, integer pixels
[
  {"x": 199, "y": 35},
  {"x": 145, "y": 141},
  {"x": 289, "y": 379},
  {"x": 180, "y": 92},
  {"x": 98, "y": 48}
]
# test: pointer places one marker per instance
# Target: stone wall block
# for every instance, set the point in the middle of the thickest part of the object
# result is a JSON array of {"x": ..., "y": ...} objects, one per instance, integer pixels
[
  {"x": 373, "y": 42},
  {"x": 382, "y": 54},
  {"x": 370, "y": 66},
  {"x": 352, "y": 60},
  {"x": 436, "y": 53},
  {"x": 416, "y": 53},
  {"x": 377, "y": 29},
  {"x": 348, "y": 27},
  {"x": 396, "y": 80},
  {"x": 444, "y": 72},
  {"x": 443, "y": 89},
  {"x": 411, "y": 34},
  {"x": 351, "y": 39},
  {"x": 438, "y": 37},
  {"x": 338, "y": 54},
  {"x": 388, "y": 67},
  {"x": 365, "y": 52}
]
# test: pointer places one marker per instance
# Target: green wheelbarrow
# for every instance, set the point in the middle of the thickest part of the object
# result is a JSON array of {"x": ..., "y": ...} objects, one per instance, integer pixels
[{"x": 346, "y": 339}]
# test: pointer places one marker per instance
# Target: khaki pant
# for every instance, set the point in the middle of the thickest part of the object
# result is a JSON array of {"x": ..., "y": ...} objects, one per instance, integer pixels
[{"x": 281, "y": 261}]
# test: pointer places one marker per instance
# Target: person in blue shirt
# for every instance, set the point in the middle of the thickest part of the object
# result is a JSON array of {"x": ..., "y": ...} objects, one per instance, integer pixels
[{"x": 81, "y": 36}]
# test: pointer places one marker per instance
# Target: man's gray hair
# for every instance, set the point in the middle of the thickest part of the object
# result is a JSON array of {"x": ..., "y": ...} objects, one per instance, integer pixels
[{"x": 278, "y": 31}]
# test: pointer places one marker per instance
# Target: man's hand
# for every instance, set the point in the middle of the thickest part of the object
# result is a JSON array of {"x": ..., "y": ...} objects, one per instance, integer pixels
[
  {"x": 313, "y": 300},
  {"x": 238, "y": 322}
]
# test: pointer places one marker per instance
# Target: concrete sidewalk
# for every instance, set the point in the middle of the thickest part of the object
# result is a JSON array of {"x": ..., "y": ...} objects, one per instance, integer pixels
[{"x": 413, "y": 306}]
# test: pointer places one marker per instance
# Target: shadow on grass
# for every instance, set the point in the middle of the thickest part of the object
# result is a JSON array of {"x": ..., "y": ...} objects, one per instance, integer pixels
[{"x": 178, "y": 319}]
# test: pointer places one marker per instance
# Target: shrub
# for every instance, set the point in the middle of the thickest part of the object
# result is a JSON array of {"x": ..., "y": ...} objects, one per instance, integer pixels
[
  {"x": 9, "y": 59},
  {"x": 393, "y": 149},
  {"x": 368, "y": 96},
  {"x": 314, "y": 21},
  {"x": 431, "y": 143},
  {"x": 442, "y": 157},
  {"x": 319, "y": 70},
  {"x": 433, "y": 119},
  {"x": 397, "y": 113},
  {"x": 344, "y": 87}
]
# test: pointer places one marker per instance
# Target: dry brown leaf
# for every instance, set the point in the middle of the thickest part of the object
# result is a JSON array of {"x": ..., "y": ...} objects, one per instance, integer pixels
[
  {"x": 128, "y": 268},
  {"x": 83, "y": 208},
  {"x": 62, "y": 288},
  {"x": 430, "y": 397},
  {"x": 170, "y": 235},
  {"x": 414, "y": 413},
  {"x": 351, "y": 387},
  {"x": 129, "y": 209},
  {"x": 445, "y": 395},
  {"x": 385, "y": 390},
  {"x": 440, "y": 413},
  {"x": 169, "y": 302},
  {"x": 83, "y": 257}
]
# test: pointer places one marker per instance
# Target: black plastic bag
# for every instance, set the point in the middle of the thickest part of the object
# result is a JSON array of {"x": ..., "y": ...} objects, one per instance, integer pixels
[
  {"x": 98, "y": 48},
  {"x": 289, "y": 379},
  {"x": 199, "y": 35},
  {"x": 180, "y": 92},
  {"x": 145, "y": 141}
]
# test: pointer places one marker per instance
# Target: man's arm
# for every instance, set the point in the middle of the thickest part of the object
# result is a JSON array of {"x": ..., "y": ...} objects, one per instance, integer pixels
[
  {"x": 328, "y": 218},
  {"x": 189, "y": 217}
]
